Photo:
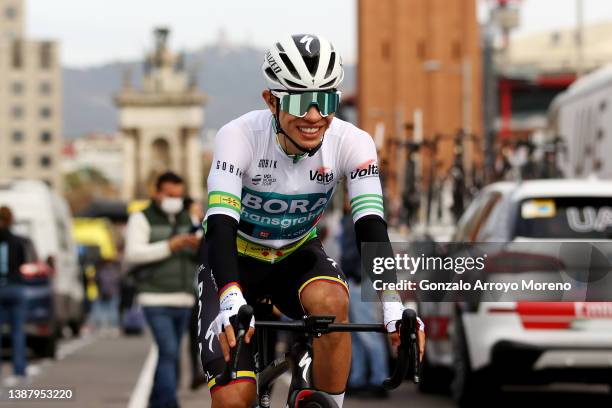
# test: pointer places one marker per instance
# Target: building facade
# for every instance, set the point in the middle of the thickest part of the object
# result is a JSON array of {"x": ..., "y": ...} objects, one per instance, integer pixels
[
  {"x": 419, "y": 75},
  {"x": 537, "y": 67},
  {"x": 161, "y": 124},
  {"x": 101, "y": 152},
  {"x": 30, "y": 101}
]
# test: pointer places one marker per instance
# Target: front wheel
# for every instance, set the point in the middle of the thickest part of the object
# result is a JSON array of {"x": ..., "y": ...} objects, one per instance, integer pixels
[{"x": 315, "y": 399}]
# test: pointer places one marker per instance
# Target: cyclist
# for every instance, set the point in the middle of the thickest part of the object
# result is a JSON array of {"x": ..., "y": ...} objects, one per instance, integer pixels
[{"x": 273, "y": 173}]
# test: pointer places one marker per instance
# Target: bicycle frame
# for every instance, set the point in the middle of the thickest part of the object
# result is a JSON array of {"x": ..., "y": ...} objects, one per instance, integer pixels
[{"x": 299, "y": 358}]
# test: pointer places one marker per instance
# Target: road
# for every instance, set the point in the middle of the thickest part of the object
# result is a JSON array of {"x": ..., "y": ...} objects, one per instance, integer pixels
[{"x": 117, "y": 373}]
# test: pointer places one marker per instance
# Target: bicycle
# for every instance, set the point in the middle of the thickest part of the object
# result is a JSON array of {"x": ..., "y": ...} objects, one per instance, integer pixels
[{"x": 299, "y": 358}]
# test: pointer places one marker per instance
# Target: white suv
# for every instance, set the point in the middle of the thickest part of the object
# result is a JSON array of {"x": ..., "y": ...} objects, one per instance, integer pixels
[{"x": 478, "y": 347}]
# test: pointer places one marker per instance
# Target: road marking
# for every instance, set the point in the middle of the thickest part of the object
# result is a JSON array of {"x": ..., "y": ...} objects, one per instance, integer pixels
[
  {"x": 140, "y": 395},
  {"x": 72, "y": 346}
]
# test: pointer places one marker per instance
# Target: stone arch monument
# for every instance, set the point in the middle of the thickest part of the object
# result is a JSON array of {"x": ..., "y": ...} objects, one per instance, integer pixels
[{"x": 161, "y": 123}]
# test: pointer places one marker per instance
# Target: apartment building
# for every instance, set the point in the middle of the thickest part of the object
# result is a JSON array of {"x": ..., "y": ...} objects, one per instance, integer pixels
[{"x": 30, "y": 101}]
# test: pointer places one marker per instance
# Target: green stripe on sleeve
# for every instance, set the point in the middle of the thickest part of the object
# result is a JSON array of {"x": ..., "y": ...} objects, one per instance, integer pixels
[
  {"x": 363, "y": 196},
  {"x": 367, "y": 207}
]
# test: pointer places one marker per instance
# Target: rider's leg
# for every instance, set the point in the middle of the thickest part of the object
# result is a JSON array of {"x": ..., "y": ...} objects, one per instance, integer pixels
[
  {"x": 332, "y": 352},
  {"x": 237, "y": 395}
]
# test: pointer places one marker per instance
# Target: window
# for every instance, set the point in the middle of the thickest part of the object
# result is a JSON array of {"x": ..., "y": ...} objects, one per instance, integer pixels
[
  {"x": 565, "y": 218},
  {"x": 45, "y": 161},
  {"x": 10, "y": 13},
  {"x": 17, "y": 112},
  {"x": 17, "y": 54},
  {"x": 45, "y": 112},
  {"x": 17, "y": 136},
  {"x": 472, "y": 220},
  {"x": 45, "y": 88},
  {"x": 45, "y": 136},
  {"x": 17, "y": 88},
  {"x": 456, "y": 50},
  {"x": 46, "y": 58},
  {"x": 386, "y": 51},
  {"x": 555, "y": 38},
  {"x": 421, "y": 50},
  {"x": 18, "y": 162}
]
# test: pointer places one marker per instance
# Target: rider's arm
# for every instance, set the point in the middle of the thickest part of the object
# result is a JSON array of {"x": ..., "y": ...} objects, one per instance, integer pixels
[
  {"x": 233, "y": 153},
  {"x": 222, "y": 254},
  {"x": 366, "y": 200},
  {"x": 365, "y": 196}
]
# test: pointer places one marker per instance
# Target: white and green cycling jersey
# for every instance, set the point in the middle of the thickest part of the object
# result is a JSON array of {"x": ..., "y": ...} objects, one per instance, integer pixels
[{"x": 278, "y": 200}]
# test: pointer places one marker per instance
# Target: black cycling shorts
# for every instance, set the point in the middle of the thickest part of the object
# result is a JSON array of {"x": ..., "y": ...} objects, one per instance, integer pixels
[{"x": 281, "y": 282}]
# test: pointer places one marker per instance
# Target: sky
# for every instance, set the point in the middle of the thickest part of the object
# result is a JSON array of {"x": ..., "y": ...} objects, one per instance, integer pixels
[{"x": 92, "y": 32}]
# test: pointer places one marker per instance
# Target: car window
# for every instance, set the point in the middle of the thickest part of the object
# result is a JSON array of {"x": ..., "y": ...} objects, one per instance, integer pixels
[
  {"x": 565, "y": 217},
  {"x": 484, "y": 211},
  {"x": 468, "y": 218},
  {"x": 472, "y": 220},
  {"x": 492, "y": 221}
]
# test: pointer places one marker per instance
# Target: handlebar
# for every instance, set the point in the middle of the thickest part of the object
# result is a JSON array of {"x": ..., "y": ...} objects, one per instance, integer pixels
[{"x": 315, "y": 326}]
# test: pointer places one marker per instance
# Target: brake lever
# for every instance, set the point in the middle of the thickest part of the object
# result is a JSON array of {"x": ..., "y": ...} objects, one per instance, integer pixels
[
  {"x": 243, "y": 321},
  {"x": 407, "y": 352}
]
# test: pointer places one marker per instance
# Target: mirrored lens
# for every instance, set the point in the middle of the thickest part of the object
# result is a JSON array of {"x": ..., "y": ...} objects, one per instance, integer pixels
[{"x": 298, "y": 104}]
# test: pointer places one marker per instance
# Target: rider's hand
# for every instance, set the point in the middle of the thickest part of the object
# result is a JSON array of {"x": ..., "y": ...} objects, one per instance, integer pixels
[
  {"x": 394, "y": 337},
  {"x": 180, "y": 241},
  {"x": 229, "y": 304},
  {"x": 227, "y": 340},
  {"x": 392, "y": 314}
]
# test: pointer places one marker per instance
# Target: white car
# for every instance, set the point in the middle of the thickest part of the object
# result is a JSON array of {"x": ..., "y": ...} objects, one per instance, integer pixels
[
  {"x": 44, "y": 217},
  {"x": 475, "y": 347}
]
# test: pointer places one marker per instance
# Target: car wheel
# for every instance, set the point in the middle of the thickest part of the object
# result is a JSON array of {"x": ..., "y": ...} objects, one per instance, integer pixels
[
  {"x": 45, "y": 347},
  {"x": 468, "y": 388},
  {"x": 75, "y": 327},
  {"x": 49, "y": 349},
  {"x": 434, "y": 379}
]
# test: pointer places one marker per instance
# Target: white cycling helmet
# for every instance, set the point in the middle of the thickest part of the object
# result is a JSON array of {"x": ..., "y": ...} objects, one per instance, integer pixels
[{"x": 303, "y": 62}]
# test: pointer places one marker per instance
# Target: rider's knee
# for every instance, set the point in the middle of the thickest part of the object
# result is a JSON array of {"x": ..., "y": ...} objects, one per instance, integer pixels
[
  {"x": 327, "y": 299},
  {"x": 234, "y": 396}
]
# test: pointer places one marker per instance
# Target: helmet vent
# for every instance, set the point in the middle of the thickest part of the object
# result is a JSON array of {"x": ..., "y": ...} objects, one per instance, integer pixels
[
  {"x": 294, "y": 85},
  {"x": 280, "y": 47},
  {"x": 330, "y": 67},
  {"x": 271, "y": 74},
  {"x": 327, "y": 84},
  {"x": 312, "y": 63},
  {"x": 289, "y": 65}
]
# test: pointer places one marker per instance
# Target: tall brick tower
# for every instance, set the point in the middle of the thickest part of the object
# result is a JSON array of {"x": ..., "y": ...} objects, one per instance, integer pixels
[{"x": 419, "y": 64}]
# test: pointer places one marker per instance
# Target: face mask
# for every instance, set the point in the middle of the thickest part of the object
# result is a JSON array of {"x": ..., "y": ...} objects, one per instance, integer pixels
[{"x": 172, "y": 205}]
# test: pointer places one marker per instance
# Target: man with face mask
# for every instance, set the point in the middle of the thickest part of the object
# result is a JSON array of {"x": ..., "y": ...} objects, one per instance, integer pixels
[{"x": 159, "y": 243}]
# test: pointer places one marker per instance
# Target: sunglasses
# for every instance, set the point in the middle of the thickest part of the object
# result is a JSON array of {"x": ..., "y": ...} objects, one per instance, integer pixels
[{"x": 298, "y": 104}]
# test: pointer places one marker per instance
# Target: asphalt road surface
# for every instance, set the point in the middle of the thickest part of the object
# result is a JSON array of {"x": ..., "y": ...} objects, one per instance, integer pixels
[{"x": 117, "y": 373}]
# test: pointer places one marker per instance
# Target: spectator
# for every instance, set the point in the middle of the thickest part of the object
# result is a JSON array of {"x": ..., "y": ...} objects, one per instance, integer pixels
[
  {"x": 368, "y": 349},
  {"x": 13, "y": 305},
  {"x": 159, "y": 242},
  {"x": 105, "y": 311}
]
